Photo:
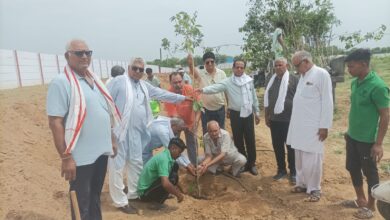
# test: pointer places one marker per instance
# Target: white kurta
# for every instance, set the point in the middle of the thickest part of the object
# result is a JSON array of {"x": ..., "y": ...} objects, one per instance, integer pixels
[
  {"x": 138, "y": 136},
  {"x": 312, "y": 110}
]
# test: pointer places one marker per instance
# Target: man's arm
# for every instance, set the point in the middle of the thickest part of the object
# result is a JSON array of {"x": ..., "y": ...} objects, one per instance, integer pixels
[
  {"x": 326, "y": 116},
  {"x": 256, "y": 108},
  {"x": 164, "y": 95},
  {"x": 212, "y": 89},
  {"x": 202, "y": 168},
  {"x": 193, "y": 70},
  {"x": 214, "y": 160},
  {"x": 169, "y": 187},
  {"x": 266, "y": 116},
  {"x": 377, "y": 148},
  {"x": 68, "y": 166}
]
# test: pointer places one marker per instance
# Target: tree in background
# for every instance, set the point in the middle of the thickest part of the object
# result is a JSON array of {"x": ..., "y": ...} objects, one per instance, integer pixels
[
  {"x": 306, "y": 26},
  {"x": 353, "y": 39}
]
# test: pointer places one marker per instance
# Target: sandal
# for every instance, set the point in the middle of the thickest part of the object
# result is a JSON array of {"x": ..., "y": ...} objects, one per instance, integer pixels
[
  {"x": 364, "y": 213},
  {"x": 298, "y": 189},
  {"x": 350, "y": 204},
  {"x": 315, "y": 196}
]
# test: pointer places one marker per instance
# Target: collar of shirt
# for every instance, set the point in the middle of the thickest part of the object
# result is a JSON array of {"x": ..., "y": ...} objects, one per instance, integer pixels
[
  {"x": 367, "y": 78},
  {"x": 168, "y": 153}
]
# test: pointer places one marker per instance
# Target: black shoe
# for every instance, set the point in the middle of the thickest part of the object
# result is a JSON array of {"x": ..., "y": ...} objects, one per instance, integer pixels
[
  {"x": 293, "y": 179},
  {"x": 279, "y": 176},
  {"x": 128, "y": 209},
  {"x": 253, "y": 171}
]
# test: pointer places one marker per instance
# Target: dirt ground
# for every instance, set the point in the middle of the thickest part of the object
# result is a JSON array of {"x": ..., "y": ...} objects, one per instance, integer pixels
[{"x": 31, "y": 186}]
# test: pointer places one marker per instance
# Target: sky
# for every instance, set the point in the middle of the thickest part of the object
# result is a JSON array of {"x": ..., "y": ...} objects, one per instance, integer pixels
[{"x": 121, "y": 29}]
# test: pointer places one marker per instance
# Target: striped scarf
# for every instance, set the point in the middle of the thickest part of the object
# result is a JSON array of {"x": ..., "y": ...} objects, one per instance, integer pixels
[{"x": 77, "y": 108}]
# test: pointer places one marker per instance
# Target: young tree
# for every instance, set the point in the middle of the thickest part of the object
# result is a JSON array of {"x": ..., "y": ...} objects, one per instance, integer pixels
[{"x": 186, "y": 26}]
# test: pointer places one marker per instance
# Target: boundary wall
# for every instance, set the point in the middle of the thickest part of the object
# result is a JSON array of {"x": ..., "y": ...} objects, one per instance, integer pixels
[{"x": 22, "y": 68}]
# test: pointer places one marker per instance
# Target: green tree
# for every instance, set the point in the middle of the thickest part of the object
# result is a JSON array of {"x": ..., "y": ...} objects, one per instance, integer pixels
[
  {"x": 355, "y": 38},
  {"x": 312, "y": 21}
]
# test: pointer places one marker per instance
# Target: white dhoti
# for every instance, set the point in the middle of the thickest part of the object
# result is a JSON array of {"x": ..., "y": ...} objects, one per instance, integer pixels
[
  {"x": 133, "y": 169},
  {"x": 309, "y": 170}
]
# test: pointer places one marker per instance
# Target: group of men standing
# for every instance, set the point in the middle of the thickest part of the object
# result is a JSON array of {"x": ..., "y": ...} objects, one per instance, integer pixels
[{"x": 90, "y": 122}]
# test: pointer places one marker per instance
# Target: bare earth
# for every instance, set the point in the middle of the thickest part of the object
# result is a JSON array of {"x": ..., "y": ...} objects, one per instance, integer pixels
[{"x": 31, "y": 186}]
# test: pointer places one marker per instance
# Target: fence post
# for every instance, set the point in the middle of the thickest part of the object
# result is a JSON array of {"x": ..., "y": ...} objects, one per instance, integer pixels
[
  {"x": 41, "y": 68},
  {"x": 58, "y": 64},
  {"x": 17, "y": 69}
]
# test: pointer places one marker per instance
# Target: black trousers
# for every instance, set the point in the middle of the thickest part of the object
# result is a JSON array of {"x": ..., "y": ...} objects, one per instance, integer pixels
[
  {"x": 217, "y": 115},
  {"x": 244, "y": 130},
  {"x": 359, "y": 159},
  {"x": 156, "y": 192},
  {"x": 279, "y": 130},
  {"x": 88, "y": 186}
]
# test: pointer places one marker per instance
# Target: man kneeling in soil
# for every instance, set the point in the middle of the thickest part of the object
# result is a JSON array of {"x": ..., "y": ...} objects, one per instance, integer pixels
[
  {"x": 159, "y": 176},
  {"x": 220, "y": 150}
]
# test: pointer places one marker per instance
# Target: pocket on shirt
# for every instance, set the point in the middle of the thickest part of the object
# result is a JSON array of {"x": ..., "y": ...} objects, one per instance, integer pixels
[{"x": 310, "y": 92}]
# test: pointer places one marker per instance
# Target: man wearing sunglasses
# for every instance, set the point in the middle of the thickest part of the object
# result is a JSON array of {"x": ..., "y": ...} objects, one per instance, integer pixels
[
  {"x": 244, "y": 111},
  {"x": 132, "y": 97},
  {"x": 213, "y": 104},
  {"x": 80, "y": 113}
]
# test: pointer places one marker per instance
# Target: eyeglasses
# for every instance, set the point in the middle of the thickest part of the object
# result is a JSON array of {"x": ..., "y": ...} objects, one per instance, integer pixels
[
  {"x": 80, "y": 53},
  {"x": 209, "y": 62},
  {"x": 137, "y": 69},
  {"x": 297, "y": 66}
]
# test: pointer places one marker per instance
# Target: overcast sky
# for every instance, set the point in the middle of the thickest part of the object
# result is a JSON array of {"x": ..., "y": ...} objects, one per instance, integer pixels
[{"x": 121, "y": 29}]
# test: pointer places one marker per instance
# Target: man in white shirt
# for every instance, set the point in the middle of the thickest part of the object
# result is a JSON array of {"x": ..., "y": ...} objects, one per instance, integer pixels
[{"x": 311, "y": 117}]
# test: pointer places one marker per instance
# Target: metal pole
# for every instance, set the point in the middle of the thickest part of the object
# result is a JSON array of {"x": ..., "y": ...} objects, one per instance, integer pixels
[
  {"x": 17, "y": 69},
  {"x": 41, "y": 68}
]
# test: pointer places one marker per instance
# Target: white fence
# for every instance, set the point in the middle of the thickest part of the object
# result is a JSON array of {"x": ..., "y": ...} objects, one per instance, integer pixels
[{"x": 21, "y": 68}]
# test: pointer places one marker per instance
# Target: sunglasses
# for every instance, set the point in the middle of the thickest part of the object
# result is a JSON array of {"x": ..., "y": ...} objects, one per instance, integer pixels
[
  {"x": 209, "y": 62},
  {"x": 297, "y": 66},
  {"x": 137, "y": 69},
  {"x": 81, "y": 53}
]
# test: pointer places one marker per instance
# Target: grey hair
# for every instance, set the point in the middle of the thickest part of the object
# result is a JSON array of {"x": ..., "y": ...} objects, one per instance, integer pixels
[
  {"x": 178, "y": 122},
  {"x": 303, "y": 55},
  {"x": 212, "y": 122},
  {"x": 282, "y": 59},
  {"x": 68, "y": 45},
  {"x": 136, "y": 60}
]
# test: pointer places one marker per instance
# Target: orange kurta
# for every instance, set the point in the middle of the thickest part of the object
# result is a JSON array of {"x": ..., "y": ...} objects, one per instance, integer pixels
[{"x": 184, "y": 109}]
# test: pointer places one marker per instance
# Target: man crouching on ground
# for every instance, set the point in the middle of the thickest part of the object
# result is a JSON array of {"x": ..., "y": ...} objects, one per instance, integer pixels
[{"x": 159, "y": 176}]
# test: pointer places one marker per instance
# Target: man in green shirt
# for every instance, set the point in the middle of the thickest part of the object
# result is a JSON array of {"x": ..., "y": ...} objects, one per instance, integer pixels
[
  {"x": 159, "y": 176},
  {"x": 368, "y": 121}
]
